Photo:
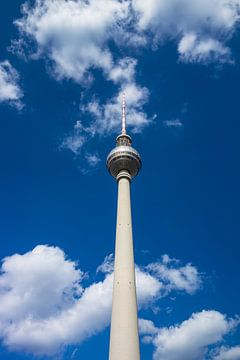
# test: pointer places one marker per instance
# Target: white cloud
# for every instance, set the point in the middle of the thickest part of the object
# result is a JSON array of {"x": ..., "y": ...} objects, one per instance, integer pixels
[
  {"x": 42, "y": 303},
  {"x": 147, "y": 327},
  {"x": 148, "y": 288},
  {"x": 44, "y": 307},
  {"x": 107, "y": 266},
  {"x": 194, "y": 49},
  {"x": 10, "y": 91},
  {"x": 73, "y": 143},
  {"x": 201, "y": 27},
  {"x": 190, "y": 339},
  {"x": 20, "y": 292},
  {"x": 176, "y": 277},
  {"x": 228, "y": 353},
  {"x": 92, "y": 159},
  {"x": 123, "y": 71},
  {"x": 75, "y": 34},
  {"x": 76, "y": 140},
  {"x": 200, "y": 14},
  {"x": 72, "y": 33}
]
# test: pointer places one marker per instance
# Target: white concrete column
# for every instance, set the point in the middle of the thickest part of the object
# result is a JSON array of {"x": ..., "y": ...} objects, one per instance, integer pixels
[{"x": 124, "y": 339}]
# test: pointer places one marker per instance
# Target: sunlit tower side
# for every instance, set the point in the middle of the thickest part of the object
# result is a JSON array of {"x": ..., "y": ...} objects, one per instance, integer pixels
[{"x": 124, "y": 163}]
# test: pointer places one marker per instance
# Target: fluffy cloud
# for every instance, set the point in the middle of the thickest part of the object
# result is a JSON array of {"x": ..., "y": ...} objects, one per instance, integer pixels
[
  {"x": 194, "y": 49},
  {"x": 92, "y": 159},
  {"x": 75, "y": 34},
  {"x": 228, "y": 353},
  {"x": 174, "y": 276},
  {"x": 72, "y": 33},
  {"x": 43, "y": 305},
  {"x": 107, "y": 266},
  {"x": 10, "y": 90},
  {"x": 204, "y": 329},
  {"x": 123, "y": 71},
  {"x": 201, "y": 28},
  {"x": 76, "y": 140},
  {"x": 147, "y": 327},
  {"x": 19, "y": 292}
]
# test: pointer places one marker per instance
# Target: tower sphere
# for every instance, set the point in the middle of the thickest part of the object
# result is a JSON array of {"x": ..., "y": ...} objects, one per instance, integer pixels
[{"x": 124, "y": 157}]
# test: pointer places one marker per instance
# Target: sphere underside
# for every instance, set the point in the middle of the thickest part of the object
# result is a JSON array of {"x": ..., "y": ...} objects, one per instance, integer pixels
[{"x": 124, "y": 158}]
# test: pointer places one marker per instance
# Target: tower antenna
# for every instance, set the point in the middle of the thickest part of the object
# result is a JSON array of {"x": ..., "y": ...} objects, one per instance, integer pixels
[{"x": 124, "y": 115}]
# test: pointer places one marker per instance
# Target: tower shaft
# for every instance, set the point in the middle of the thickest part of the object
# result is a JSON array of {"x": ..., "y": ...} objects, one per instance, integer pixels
[{"x": 124, "y": 339}]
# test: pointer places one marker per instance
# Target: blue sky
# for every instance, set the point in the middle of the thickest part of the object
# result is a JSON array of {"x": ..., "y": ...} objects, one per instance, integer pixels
[{"x": 63, "y": 67}]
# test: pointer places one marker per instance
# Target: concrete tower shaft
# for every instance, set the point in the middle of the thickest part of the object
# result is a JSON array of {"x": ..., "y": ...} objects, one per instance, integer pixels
[{"x": 124, "y": 163}]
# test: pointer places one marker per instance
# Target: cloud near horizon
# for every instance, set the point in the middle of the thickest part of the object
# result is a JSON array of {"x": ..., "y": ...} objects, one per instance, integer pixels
[
  {"x": 44, "y": 306},
  {"x": 191, "y": 340}
]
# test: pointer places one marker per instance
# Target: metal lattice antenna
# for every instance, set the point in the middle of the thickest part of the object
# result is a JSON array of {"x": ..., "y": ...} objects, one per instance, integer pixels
[{"x": 124, "y": 114}]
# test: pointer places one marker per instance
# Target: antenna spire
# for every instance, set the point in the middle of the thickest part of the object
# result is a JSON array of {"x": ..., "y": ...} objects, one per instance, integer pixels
[{"x": 124, "y": 115}]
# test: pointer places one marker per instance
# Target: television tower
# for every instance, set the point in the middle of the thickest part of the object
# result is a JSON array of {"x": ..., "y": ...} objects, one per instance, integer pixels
[{"x": 124, "y": 163}]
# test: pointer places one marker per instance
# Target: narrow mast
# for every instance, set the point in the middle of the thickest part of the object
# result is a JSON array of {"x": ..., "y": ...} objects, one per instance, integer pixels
[
  {"x": 124, "y": 115},
  {"x": 124, "y": 163}
]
